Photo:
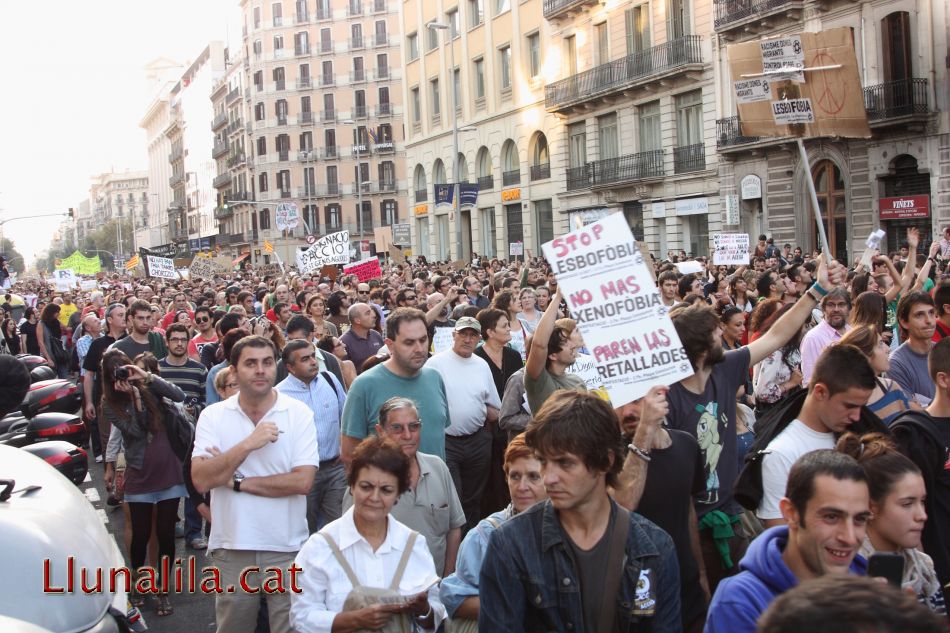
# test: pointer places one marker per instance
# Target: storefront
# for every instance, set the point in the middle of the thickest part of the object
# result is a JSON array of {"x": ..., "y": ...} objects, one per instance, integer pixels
[{"x": 905, "y": 203}]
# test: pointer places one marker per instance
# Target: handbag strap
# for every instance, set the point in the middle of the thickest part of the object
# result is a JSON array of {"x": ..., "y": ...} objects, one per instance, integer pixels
[
  {"x": 403, "y": 561},
  {"x": 616, "y": 558},
  {"x": 338, "y": 555}
]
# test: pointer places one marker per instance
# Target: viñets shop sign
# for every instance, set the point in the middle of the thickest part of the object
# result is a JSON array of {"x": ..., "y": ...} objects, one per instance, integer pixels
[{"x": 905, "y": 207}]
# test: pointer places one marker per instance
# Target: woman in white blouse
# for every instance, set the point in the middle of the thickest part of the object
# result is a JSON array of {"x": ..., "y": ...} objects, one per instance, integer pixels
[{"x": 371, "y": 547}]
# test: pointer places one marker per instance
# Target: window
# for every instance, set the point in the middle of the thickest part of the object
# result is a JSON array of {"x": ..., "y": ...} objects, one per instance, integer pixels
[
  {"x": 438, "y": 172},
  {"x": 262, "y": 146},
  {"x": 332, "y": 175},
  {"x": 689, "y": 118},
  {"x": 501, "y": 6},
  {"x": 412, "y": 45},
  {"x": 577, "y": 144},
  {"x": 677, "y": 18},
  {"x": 432, "y": 39},
  {"x": 264, "y": 222},
  {"x": 259, "y": 80},
  {"x": 356, "y": 36},
  {"x": 388, "y": 213},
  {"x": 384, "y": 96},
  {"x": 306, "y": 141},
  {"x": 262, "y": 182},
  {"x": 479, "y": 78},
  {"x": 326, "y": 41},
  {"x": 257, "y": 17},
  {"x": 416, "y": 105},
  {"x": 457, "y": 88},
  {"x": 570, "y": 53},
  {"x": 648, "y": 116},
  {"x": 280, "y": 109},
  {"x": 278, "y": 43},
  {"x": 387, "y": 172},
  {"x": 476, "y": 13},
  {"x": 277, "y": 11},
  {"x": 303, "y": 74},
  {"x": 258, "y": 48},
  {"x": 329, "y": 138},
  {"x": 698, "y": 226},
  {"x": 607, "y": 136},
  {"x": 259, "y": 112},
  {"x": 434, "y": 101},
  {"x": 279, "y": 82},
  {"x": 601, "y": 43},
  {"x": 332, "y": 216},
  {"x": 504, "y": 63},
  {"x": 301, "y": 43},
  {"x": 283, "y": 182},
  {"x": 895, "y": 37},
  {"x": 637, "y": 23},
  {"x": 452, "y": 19},
  {"x": 328, "y": 105},
  {"x": 534, "y": 54}
]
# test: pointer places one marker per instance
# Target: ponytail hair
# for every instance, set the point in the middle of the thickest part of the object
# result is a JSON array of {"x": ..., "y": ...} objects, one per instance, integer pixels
[{"x": 877, "y": 454}]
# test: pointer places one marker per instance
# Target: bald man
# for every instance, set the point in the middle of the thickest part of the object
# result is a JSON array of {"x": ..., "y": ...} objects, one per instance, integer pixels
[{"x": 361, "y": 340}]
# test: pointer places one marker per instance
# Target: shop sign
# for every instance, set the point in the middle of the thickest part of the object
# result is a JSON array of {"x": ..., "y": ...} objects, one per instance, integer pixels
[
  {"x": 692, "y": 206},
  {"x": 904, "y": 207},
  {"x": 751, "y": 187},
  {"x": 420, "y": 209},
  {"x": 509, "y": 195}
]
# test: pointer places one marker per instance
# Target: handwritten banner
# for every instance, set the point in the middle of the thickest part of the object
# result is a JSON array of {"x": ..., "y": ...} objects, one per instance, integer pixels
[
  {"x": 329, "y": 249},
  {"x": 731, "y": 249},
  {"x": 612, "y": 297},
  {"x": 161, "y": 267},
  {"x": 365, "y": 270},
  {"x": 204, "y": 268}
]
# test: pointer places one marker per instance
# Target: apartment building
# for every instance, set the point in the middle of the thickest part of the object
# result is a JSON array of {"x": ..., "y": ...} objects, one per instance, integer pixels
[
  {"x": 120, "y": 196},
  {"x": 636, "y": 93},
  {"x": 324, "y": 117},
  {"x": 480, "y": 68},
  {"x": 898, "y": 178},
  {"x": 233, "y": 211},
  {"x": 84, "y": 221}
]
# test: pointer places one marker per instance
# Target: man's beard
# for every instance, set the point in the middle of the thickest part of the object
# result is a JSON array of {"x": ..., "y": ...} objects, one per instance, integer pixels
[{"x": 715, "y": 356}]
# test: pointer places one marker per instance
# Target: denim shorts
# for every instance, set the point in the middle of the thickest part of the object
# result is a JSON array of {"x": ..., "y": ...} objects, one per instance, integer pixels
[{"x": 172, "y": 492}]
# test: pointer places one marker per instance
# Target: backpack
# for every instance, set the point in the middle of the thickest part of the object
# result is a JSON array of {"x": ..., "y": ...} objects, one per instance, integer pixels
[
  {"x": 748, "y": 490},
  {"x": 326, "y": 376}
]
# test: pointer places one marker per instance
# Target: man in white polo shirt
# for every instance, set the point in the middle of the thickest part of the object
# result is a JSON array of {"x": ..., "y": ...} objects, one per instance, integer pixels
[
  {"x": 473, "y": 408},
  {"x": 257, "y": 454}
]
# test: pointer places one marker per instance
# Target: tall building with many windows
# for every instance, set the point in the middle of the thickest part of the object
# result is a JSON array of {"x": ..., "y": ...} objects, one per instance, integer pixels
[
  {"x": 480, "y": 67},
  {"x": 120, "y": 196},
  {"x": 636, "y": 93},
  {"x": 324, "y": 116},
  {"x": 898, "y": 178}
]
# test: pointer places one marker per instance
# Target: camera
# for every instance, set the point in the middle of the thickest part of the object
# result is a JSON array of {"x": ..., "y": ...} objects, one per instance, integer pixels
[{"x": 121, "y": 373}]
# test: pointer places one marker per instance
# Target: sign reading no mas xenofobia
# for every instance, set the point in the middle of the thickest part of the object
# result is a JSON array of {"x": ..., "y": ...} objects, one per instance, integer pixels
[
  {"x": 329, "y": 249},
  {"x": 611, "y": 295}
]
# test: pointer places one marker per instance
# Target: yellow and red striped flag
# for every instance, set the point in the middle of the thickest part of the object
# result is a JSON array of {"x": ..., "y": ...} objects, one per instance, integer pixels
[
  {"x": 132, "y": 263},
  {"x": 268, "y": 247}
]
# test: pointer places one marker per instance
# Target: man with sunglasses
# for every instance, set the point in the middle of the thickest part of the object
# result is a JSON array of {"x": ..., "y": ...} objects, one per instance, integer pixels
[{"x": 205, "y": 336}]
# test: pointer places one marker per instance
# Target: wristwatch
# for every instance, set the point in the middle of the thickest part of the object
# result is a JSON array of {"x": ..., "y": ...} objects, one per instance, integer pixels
[{"x": 237, "y": 480}]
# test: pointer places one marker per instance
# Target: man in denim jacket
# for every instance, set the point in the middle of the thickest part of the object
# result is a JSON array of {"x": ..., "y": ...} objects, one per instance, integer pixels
[{"x": 545, "y": 569}]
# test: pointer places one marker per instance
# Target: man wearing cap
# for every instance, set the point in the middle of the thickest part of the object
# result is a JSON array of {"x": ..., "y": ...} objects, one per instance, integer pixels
[{"x": 473, "y": 408}]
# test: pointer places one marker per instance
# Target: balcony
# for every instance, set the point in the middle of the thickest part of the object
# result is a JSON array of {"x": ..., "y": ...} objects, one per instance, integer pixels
[
  {"x": 328, "y": 116},
  {"x": 357, "y": 75},
  {"x": 218, "y": 121},
  {"x": 325, "y": 80},
  {"x": 902, "y": 102},
  {"x": 729, "y": 133},
  {"x": 304, "y": 83},
  {"x": 385, "y": 147},
  {"x": 325, "y": 48},
  {"x": 540, "y": 172},
  {"x": 281, "y": 119},
  {"x": 220, "y": 149},
  {"x": 380, "y": 39},
  {"x": 283, "y": 155},
  {"x": 301, "y": 50},
  {"x": 689, "y": 158},
  {"x": 383, "y": 72},
  {"x": 384, "y": 109},
  {"x": 387, "y": 186},
  {"x": 379, "y": 6},
  {"x": 278, "y": 20},
  {"x": 175, "y": 154},
  {"x": 486, "y": 183},
  {"x": 629, "y": 168},
  {"x": 280, "y": 84},
  {"x": 357, "y": 43},
  {"x": 234, "y": 126},
  {"x": 354, "y": 9},
  {"x": 741, "y": 18},
  {"x": 324, "y": 13},
  {"x": 661, "y": 61},
  {"x": 236, "y": 160},
  {"x": 360, "y": 112},
  {"x": 302, "y": 17},
  {"x": 360, "y": 150},
  {"x": 307, "y": 155},
  {"x": 223, "y": 212},
  {"x": 330, "y": 152},
  {"x": 578, "y": 178},
  {"x": 233, "y": 96},
  {"x": 562, "y": 8},
  {"x": 422, "y": 195},
  {"x": 174, "y": 181},
  {"x": 220, "y": 181},
  {"x": 305, "y": 118},
  {"x": 512, "y": 177}
]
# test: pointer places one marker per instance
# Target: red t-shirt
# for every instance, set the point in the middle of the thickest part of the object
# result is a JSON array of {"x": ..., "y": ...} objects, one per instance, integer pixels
[
  {"x": 170, "y": 317},
  {"x": 941, "y": 331},
  {"x": 198, "y": 342}
]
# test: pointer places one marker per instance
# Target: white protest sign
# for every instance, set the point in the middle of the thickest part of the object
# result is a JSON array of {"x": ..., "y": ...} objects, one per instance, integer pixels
[
  {"x": 64, "y": 279},
  {"x": 793, "y": 111},
  {"x": 287, "y": 216},
  {"x": 204, "y": 268},
  {"x": 611, "y": 295},
  {"x": 88, "y": 284},
  {"x": 784, "y": 55},
  {"x": 752, "y": 90},
  {"x": 585, "y": 367},
  {"x": 731, "y": 249},
  {"x": 162, "y": 267},
  {"x": 329, "y": 249},
  {"x": 442, "y": 339},
  {"x": 690, "y": 267},
  {"x": 516, "y": 248}
]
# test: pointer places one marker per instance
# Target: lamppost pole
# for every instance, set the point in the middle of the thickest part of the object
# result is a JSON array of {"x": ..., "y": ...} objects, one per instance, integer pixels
[{"x": 438, "y": 26}]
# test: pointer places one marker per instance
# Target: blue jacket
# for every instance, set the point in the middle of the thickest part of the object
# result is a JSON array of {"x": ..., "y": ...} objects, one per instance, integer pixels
[
  {"x": 528, "y": 583},
  {"x": 763, "y": 575}
]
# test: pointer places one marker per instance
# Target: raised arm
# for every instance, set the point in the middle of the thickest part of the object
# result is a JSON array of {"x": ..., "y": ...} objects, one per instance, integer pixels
[{"x": 538, "y": 354}]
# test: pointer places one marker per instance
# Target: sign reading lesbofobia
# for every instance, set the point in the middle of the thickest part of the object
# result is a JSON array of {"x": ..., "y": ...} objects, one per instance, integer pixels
[
  {"x": 329, "y": 249},
  {"x": 780, "y": 90},
  {"x": 611, "y": 294}
]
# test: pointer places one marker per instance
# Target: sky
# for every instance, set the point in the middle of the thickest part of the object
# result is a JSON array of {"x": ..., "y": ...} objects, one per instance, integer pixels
[{"x": 74, "y": 91}]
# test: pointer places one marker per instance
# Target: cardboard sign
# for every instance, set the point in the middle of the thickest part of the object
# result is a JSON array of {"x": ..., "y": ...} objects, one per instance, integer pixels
[
  {"x": 804, "y": 103},
  {"x": 204, "y": 268},
  {"x": 287, "y": 216},
  {"x": 611, "y": 295},
  {"x": 442, "y": 339},
  {"x": 329, "y": 249},
  {"x": 330, "y": 272},
  {"x": 396, "y": 254},
  {"x": 365, "y": 270},
  {"x": 905, "y": 207},
  {"x": 161, "y": 267},
  {"x": 731, "y": 249},
  {"x": 383, "y": 236}
]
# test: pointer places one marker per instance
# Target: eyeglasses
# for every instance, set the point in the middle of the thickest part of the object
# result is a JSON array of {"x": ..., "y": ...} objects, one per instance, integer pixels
[
  {"x": 412, "y": 298},
  {"x": 534, "y": 478},
  {"x": 230, "y": 385},
  {"x": 399, "y": 428},
  {"x": 204, "y": 320},
  {"x": 177, "y": 339}
]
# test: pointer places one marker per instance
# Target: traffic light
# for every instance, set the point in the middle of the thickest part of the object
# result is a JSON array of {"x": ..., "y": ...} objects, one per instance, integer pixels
[{"x": 72, "y": 213}]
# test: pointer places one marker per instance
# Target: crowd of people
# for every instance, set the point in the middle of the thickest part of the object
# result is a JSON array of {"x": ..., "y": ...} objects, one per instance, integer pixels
[{"x": 423, "y": 448}]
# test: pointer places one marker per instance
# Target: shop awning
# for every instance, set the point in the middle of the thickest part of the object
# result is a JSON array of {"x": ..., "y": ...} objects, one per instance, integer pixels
[{"x": 240, "y": 258}]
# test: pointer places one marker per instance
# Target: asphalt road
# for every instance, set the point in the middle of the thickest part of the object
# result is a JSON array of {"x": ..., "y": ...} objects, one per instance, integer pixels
[{"x": 194, "y": 612}]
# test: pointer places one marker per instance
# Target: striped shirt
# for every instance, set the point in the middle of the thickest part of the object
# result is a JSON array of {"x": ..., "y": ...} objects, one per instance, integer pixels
[
  {"x": 326, "y": 406},
  {"x": 189, "y": 377}
]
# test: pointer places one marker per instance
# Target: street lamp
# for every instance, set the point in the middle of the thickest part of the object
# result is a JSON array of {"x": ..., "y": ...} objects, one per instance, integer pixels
[{"x": 441, "y": 26}]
